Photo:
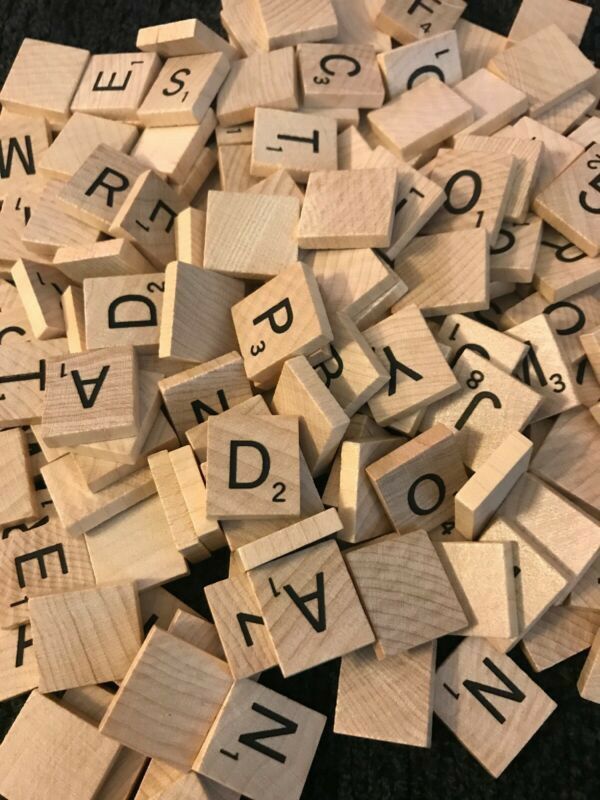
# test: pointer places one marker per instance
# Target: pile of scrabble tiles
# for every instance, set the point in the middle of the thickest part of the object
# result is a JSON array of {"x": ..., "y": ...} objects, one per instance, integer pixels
[{"x": 326, "y": 294}]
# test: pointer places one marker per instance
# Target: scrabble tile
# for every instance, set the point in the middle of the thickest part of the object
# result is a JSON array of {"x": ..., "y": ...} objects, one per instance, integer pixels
[
  {"x": 234, "y": 168},
  {"x": 114, "y": 85},
  {"x": 514, "y": 255},
  {"x": 508, "y": 406},
  {"x": 85, "y": 637},
  {"x": 15, "y": 214},
  {"x": 528, "y": 66},
  {"x": 298, "y": 143},
  {"x": 478, "y": 190},
  {"x": 284, "y": 318},
  {"x": 356, "y": 25},
  {"x": 78, "y": 507},
  {"x": 477, "y": 45},
  {"x": 193, "y": 491},
  {"x": 190, "y": 232},
  {"x": 25, "y": 142},
  {"x": 184, "y": 89},
  {"x": 562, "y": 269},
  {"x": 348, "y": 209},
  {"x": 172, "y": 151},
  {"x": 445, "y": 273},
  {"x": 147, "y": 217},
  {"x": 271, "y": 245},
  {"x": 185, "y": 37},
  {"x": 482, "y": 577},
  {"x": 279, "y": 183},
  {"x": 301, "y": 638},
  {"x": 285, "y": 22},
  {"x": 433, "y": 57},
  {"x": 569, "y": 112},
  {"x": 389, "y": 700},
  {"x": 18, "y": 666},
  {"x": 265, "y": 80},
  {"x": 558, "y": 151},
  {"x": 496, "y": 102},
  {"x": 248, "y": 706},
  {"x": 196, "y": 323},
  {"x": 561, "y": 633},
  {"x": 344, "y": 75},
  {"x": 489, "y": 703},
  {"x": 244, "y": 26},
  {"x": 197, "y": 436},
  {"x": 408, "y": 21},
  {"x": 100, "y": 260},
  {"x": 416, "y": 481},
  {"x": 44, "y": 561},
  {"x": 73, "y": 311},
  {"x": 301, "y": 393},
  {"x": 43, "y": 78},
  {"x": 51, "y": 751},
  {"x": 420, "y": 119},
  {"x": 196, "y": 631},
  {"x": 198, "y": 684},
  {"x": 80, "y": 399},
  {"x": 19, "y": 502},
  {"x": 533, "y": 15},
  {"x": 40, "y": 288},
  {"x": 484, "y": 492},
  {"x": 462, "y": 333},
  {"x": 135, "y": 545},
  {"x": 254, "y": 468},
  {"x": 240, "y": 626}
]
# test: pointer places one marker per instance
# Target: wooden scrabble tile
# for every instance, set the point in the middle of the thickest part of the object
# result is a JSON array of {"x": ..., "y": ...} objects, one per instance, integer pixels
[
  {"x": 586, "y": 594},
  {"x": 247, "y": 706},
  {"x": 418, "y": 372},
  {"x": 348, "y": 209},
  {"x": 407, "y": 21},
  {"x": 545, "y": 367},
  {"x": 198, "y": 684},
  {"x": 561, "y": 633},
  {"x": 244, "y": 26},
  {"x": 234, "y": 609},
  {"x": 462, "y": 333},
  {"x": 298, "y": 143},
  {"x": 514, "y": 255},
  {"x": 344, "y": 75},
  {"x": 79, "y": 138},
  {"x": 567, "y": 462},
  {"x": 159, "y": 777},
  {"x": 44, "y": 561},
  {"x": 74, "y": 315},
  {"x": 135, "y": 545},
  {"x": 198, "y": 435},
  {"x": 147, "y": 218},
  {"x": 196, "y": 323},
  {"x": 528, "y": 66},
  {"x": 420, "y": 119},
  {"x": 446, "y": 273},
  {"x": 588, "y": 684},
  {"x": 356, "y": 25},
  {"x": 25, "y": 141},
  {"x": 85, "y": 637},
  {"x": 183, "y": 90},
  {"x": 289, "y": 539},
  {"x": 78, "y": 507},
  {"x": 114, "y": 85},
  {"x": 286, "y": 317},
  {"x": 265, "y": 80},
  {"x": 234, "y": 168},
  {"x": 301, "y": 393},
  {"x": 19, "y": 502},
  {"x": 49, "y": 227},
  {"x": 478, "y": 190},
  {"x": 250, "y": 236},
  {"x": 558, "y": 151},
  {"x": 197, "y": 631},
  {"x": 91, "y": 397},
  {"x": 353, "y": 149},
  {"x": 18, "y": 666},
  {"x": 194, "y": 495},
  {"x": 40, "y": 288},
  {"x": 492, "y": 730},
  {"x": 484, "y": 492},
  {"x": 482, "y": 577},
  {"x": 190, "y": 231},
  {"x": 285, "y": 22},
  {"x": 416, "y": 481},
  {"x": 43, "y": 78},
  {"x": 172, "y": 151},
  {"x": 477, "y": 45},
  {"x": 185, "y": 37},
  {"x": 302, "y": 639},
  {"x": 533, "y": 15},
  {"x": 197, "y": 181},
  {"x": 564, "y": 115},
  {"x": 278, "y": 183},
  {"x": 51, "y": 751},
  {"x": 479, "y": 433},
  {"x": 389, "y": 700},
  {"x": 100, "y": 260},
  {"x": 23, "y": 371},
  {"x": 254, "y": 467},
  {"x": 435, "y": 56},
  {"x": 562, "y": 269},
  {"x": 14, "y": 216},
  {"x": 496, "y": 102}
]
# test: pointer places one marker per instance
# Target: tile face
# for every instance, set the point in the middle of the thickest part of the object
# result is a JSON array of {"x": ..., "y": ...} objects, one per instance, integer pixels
[
  {"x": 404, "y": 573},
  {"x": 436, "y": 56},
  {"x": 460, "y": 332},
  {"x": 533, "y": 15},
  {"x": 345, "y": 75},
  {"x": 490, "y": 704},
  {"x": 18, "y": 666},
  {"x": 85, "y": 637},
  {"x": 302, "y": 635},
  {"x": 408, "y": 21},
  {"x": 236, "y": 755},
  {"x": 286, "y": 22}
]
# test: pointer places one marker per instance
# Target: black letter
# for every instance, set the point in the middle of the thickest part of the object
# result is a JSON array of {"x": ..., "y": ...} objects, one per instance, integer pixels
[
  {"x": 234, "y": 446},
  {"x": 198, "y": 406},
  {"x": 137, "y": 323},
  {"x": 244, "y": 620},
  {"x": 39, "y": 555},
  {"x": 22, "y": 643},
  {"x": 269, "y": 314},
  {"x": 253, "y": 739},
  {"x": 396, "y": 365},
  {"x": 89, "y": 401},
  {"x": 412, "y": 501},
  {"x": 477, "y": 690},
  {"x": 337, "y": 371},
  {"x": 319, "y": 623},
  {"x": 180, "y": 84},
  {"x": 110, "y": 190},
  {"x": 27, "y": 162}
]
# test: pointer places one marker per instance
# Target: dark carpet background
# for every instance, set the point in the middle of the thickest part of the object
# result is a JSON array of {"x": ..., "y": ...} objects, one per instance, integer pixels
[{"x": 563, "y": 760}]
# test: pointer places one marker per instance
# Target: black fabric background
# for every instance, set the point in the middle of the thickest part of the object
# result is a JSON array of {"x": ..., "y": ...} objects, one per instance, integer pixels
[{"x": 562, "y": 762}]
